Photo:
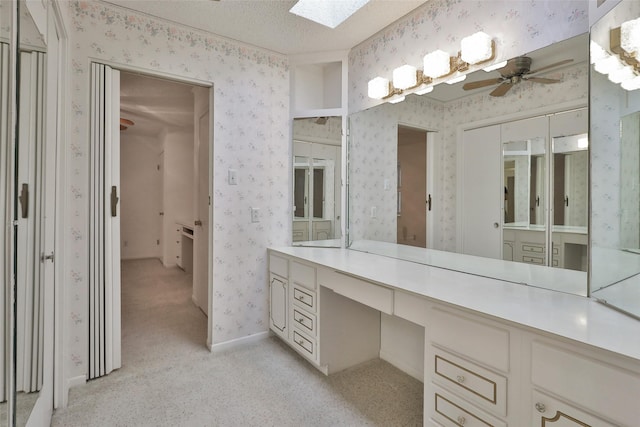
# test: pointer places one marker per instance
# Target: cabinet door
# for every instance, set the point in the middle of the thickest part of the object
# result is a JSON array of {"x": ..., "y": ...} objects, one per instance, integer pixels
[
  {"x": 278, "y": 308},
  {"x": 550, "y": 412}
]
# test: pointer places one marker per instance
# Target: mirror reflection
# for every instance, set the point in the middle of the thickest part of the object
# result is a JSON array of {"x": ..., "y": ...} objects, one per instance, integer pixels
[
  {"x": 506, "y": 179},
  {"x": 29, "y": 293},
  {"x": 6, "y": 73},
  {"x": 615, "y": 168},
  {"x": 317, "y": 154}
]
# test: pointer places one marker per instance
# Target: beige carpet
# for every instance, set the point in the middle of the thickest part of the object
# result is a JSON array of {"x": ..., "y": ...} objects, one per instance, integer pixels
[{"x": 169, "y": 378}]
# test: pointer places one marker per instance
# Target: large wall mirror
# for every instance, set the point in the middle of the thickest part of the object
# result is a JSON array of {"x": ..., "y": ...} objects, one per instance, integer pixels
[
  {"x": 317, "y": 196},
  {"x": 23, "y": 75},
  {"x": 502, "y": 178},
  {"x": 7, "y": 44},
  {"x": 615, "y": 166}
]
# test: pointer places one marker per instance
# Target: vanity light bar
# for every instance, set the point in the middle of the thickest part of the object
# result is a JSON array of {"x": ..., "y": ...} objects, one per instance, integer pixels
[
  {"x": 474, "y": 49},
  {"x": 621, "y": 67}
]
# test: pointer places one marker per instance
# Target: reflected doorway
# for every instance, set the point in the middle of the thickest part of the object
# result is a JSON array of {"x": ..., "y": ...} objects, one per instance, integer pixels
[{"x": 412, "y": 187}]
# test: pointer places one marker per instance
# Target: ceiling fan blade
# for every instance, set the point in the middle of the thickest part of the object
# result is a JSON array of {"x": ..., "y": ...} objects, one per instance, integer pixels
[
  {"x": 542, "y": 80},
  {"x": 481, "y": 83},
  {"x": 502, "y": 89},
  {"x": 557, "y": 64}
]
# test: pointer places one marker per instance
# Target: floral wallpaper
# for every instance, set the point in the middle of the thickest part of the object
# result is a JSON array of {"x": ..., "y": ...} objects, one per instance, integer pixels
[
  {"x": 306, "y": 128},
  {"x": 373, "y": 152},
  {"x": 251, "y": 135},
  {"x": 630, "y": 178}
]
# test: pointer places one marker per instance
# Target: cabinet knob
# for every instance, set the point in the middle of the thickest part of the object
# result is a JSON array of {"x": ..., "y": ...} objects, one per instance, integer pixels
[
  {"x": 300, "y": 320},
  {"x": 301, "y": 298},
  {"x": 540, "y": 407},
  {"x": 461, "y": 420},
  {"x": 460, "y": 379},
  {"x": 301, "y": 342}
]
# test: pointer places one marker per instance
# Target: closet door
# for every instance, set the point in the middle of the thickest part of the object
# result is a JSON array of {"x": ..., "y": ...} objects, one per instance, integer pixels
[
  {"x": 104, "y": 288},
  {"x": 481, "y": 203}
]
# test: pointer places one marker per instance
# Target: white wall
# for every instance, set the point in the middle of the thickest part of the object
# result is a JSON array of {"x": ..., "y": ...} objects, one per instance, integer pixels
[
  {"x": 178, "y": 187},
  {"x": 251, "y": 135},
  {"x": 141, "y": 224}
]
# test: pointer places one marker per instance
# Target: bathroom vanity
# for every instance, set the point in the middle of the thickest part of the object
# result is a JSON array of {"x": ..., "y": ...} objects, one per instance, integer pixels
[{"x": 494, "y": 352}]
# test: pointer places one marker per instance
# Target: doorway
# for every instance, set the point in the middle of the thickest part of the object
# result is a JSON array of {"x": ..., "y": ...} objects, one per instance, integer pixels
[
  {"x": 160, "y": 176},
  {"x": 413, "y": 199}
]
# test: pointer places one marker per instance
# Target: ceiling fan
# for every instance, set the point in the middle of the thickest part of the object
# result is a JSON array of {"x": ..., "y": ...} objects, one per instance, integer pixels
[{"x": 517, "y": 69}]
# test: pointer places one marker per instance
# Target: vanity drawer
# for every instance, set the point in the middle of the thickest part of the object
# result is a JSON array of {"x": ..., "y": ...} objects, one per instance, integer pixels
[
  {"x": 470, "y": 381},
  {"x": 449, "y": 410},
  {"x": 362, "y": 291},
  {"x": 473, "y": 338},
  {"x": 533, "y": 248},
  {"x": 304, "y": 297},
  {"x": 303, "y": 275},
  {"x": 305, "y": 321},
  {"x": 532, "y": 260},
  {"x": 279, "y": 266},
  {"x": 307, "y": 345}
]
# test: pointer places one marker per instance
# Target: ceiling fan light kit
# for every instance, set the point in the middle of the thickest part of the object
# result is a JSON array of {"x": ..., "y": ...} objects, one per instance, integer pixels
[{"x": 475, "y": 49}]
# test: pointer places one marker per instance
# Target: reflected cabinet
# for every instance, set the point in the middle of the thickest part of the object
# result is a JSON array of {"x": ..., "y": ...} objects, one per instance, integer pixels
[{"x": 525, "y": 195}]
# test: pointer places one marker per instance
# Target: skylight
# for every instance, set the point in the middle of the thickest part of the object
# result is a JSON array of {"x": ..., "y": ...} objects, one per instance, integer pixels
[{"x": 329, "y": 13}]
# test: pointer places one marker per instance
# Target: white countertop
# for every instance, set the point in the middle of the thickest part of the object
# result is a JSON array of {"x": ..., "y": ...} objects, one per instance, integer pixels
[
  {"x": 569, "y": 316},
  {"x": 558, "y": 279}
]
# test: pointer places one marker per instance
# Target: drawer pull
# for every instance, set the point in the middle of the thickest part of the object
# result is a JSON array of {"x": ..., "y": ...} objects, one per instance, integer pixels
[
  {"x": 461, "y": 420},
  {"x": 300, "y": 298},
  {"x": 300, "y": 342},
  {"x": 300, "y": 320},
  {"x": 540, "y": 407},
  {"x": 460, "y": 379}
]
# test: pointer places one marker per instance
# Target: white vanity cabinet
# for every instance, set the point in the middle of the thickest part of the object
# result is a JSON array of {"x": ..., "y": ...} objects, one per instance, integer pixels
[{"x": 494, "y": 354}]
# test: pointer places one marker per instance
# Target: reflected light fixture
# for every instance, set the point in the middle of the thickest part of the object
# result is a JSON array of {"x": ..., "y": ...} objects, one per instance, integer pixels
[
  {"x": 405, "y": 77},
  {"x": 436, "y": 64},
  {"x": 608, "y": 64},
  {"x": 632, "y": 84},
  {"x": 630, "y": 37},
  {"x": 397, "y": 99},
  {"x": 596, "y": 52},
  {"x": 583, "y": 143},
  {"x": 621, "y": 74},
  {"x": 476, "y": 48},
  {"x": 425, "y": 90},
  {"x": 456, "y": 79},
  {"x": 495, "y": 66},
  {"x": 328, "y": 13}
]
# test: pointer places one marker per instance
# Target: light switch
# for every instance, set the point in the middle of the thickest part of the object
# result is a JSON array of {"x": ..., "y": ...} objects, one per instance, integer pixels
[
  {"x": 255, "y": 215},
  {"x": 386, "y": 184},
  {"x": 233, "y": 177},
  {"x": 374, "y": 211}
]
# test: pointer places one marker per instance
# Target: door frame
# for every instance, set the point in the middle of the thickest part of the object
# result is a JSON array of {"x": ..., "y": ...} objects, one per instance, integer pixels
[
  {"x": 433, "y": 185},
  {"x": 460, "y": 129},
  {"x": 64, "y": 388}
]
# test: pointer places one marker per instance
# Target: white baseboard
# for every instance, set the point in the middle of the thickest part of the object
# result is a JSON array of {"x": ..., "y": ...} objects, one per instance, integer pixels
[
  {"x": 238, "y": 342},
  {"x": 415, "y": 371},
  {"x": 68, "y": 385}
]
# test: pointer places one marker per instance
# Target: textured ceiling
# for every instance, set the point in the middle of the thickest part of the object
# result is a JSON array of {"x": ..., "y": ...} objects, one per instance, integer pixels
[
  {"x": 154, "y": 104},
  {"x": 268, "y": 23}
]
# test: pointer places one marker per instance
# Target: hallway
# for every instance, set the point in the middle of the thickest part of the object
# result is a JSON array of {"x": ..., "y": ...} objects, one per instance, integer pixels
[{"x": 169, "y": 378}]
